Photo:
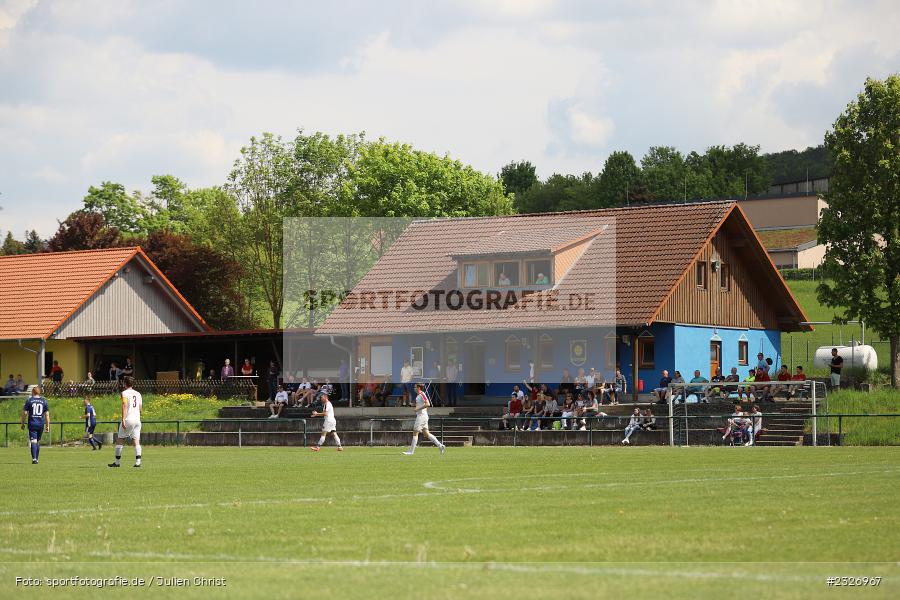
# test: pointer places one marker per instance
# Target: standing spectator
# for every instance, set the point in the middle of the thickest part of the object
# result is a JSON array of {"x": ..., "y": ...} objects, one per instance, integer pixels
[
  {"x": 406, "y": 376},
  {"x": 272, "y": 376},
  {"x": 757, "y": 423},
  {"x": 227, "y": 370},
  {"x": 344, "y": 379},
  {"x": 513, "y": 411},
  {"x": 663, "y": 386},
  {"x": 590, "y": 379},
  {"x": 56, "y": 372},
  {"x": 114, "y": 371},
  {"x": 89, "y": 380},
  {"x": 761, "y": 363},
  {"x": 247, "y": 368},
  {"x": 452, "y": 376},
  {"x": 633, "y": 425},
  {"x": 128, "y": 369},
  {"x": 212, "y": 375},
  {"x": 837, "y": 363}
]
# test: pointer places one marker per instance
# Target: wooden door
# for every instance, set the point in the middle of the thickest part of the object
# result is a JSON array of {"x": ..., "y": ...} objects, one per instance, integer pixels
[{"x": 715, "y": 357}]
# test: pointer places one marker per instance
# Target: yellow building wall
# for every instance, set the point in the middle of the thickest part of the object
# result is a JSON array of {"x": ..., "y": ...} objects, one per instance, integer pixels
[{"x": 15, "y": 360}]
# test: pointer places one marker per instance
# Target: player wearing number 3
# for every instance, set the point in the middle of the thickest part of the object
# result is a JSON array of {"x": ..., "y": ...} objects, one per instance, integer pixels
[
  {"x": 37, "y": 411},
  {"x": 130, "y": 427}
]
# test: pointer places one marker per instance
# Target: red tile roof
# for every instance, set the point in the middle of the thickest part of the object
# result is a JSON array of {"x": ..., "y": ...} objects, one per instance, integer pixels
[
  {"x": 41, "y": 291},
  {"x": 641, "y": 253}
]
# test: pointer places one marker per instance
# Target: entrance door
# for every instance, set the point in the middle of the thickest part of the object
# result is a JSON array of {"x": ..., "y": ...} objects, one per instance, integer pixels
[
  {"x": 473, "y": 369},
  {"x": 715, "y": 357}
]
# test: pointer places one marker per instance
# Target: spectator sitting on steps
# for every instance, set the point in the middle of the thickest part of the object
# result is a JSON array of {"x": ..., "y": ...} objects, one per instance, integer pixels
[
  {"x": 663, "y": 387},
  {"x": 513, "y": 410},
  {"x": 648, "y": 423},
  {"x": 633, "y": 425},
  {"x": 278, "y": 404}
]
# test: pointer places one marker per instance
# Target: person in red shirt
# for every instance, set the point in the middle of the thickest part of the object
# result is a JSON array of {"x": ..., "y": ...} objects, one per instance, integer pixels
[
  {"x": 762, "y": 392},
  {"x": 783, "y": 375},
  {"x": 799, "y": 375},
  {"x": 514, "y": 409}
]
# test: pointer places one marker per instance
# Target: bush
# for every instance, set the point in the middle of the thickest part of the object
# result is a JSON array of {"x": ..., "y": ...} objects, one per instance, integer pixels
[{"x": 800, "y": 274}]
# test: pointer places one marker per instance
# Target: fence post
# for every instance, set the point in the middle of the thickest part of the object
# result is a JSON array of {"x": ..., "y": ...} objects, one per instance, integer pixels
[
  {"x": 840, "y": 430},
  {"x": 371, "y": 432},
  {"x": 815, "y": 430},
  {"x": 442, "y": 430},
  {"x": 304, "y": 432},
  {"x": 240, "y": 441},
  {"x": 515, "y": 431},
  {"x": 177, "y": 432},
  {"x": 62, "y": 433},
  {"x": 6, "y": 435},
  {"x": 591, "y": 432}
]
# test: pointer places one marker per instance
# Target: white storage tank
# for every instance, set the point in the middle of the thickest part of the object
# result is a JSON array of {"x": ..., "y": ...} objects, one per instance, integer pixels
[{"x": 854, "y": 356}]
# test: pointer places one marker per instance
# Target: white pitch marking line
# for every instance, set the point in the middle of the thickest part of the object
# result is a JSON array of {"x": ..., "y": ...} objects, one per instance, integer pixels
[{"x": 496, "y": 566}]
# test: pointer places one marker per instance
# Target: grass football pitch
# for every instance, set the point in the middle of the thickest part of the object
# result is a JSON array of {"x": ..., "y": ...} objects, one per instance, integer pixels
[{"x": 535, "y": 522}]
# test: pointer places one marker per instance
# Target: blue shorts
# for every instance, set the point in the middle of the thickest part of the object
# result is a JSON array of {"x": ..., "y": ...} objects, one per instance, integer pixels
[
  {"x": 90, "y": 428},
  {"x": 35, "y": 433}
]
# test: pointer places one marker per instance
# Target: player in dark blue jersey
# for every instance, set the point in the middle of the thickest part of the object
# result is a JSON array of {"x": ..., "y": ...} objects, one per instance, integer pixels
[
  {"x": 37, "y": 412},
  {"x": 90, "y": 422}
]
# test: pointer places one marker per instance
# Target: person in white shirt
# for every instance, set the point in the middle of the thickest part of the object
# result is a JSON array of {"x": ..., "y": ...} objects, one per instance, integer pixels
[
  {"x": 281, "y": 400},
  {"x": 130, "y": 426},
  {"x": 633, "y": 425},
  {"x": 421, "y": 424},
  {"x": 329, "y": 424},
  {"x": 757, "y": 420},
  {"x": 406, "y": 375}
]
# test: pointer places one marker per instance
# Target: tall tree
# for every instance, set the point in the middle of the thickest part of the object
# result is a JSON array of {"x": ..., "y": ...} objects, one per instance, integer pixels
[
  {"x": 33, "y": 242},
  {"x": 517, "y": 178},
  {"x": 119, "y": 209},
  {"x": 262, "y": 180},
  {"x": 737, "y": 170},
  {"x": 619, "y": 177},
  {"x": 84, "y": 230},
  {"x": 665, "y": 173},
  {"x": 861, "y": 225}
]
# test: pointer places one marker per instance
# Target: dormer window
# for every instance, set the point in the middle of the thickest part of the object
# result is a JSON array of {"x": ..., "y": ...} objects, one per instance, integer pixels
[
  {"x": 506, "y": 273},
  {"x": 475, "y": 275},
  {"x": 538, "y": 272}
]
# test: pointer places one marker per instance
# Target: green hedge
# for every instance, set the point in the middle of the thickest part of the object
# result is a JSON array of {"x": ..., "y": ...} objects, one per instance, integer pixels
[{"x": 801, "y": 274}]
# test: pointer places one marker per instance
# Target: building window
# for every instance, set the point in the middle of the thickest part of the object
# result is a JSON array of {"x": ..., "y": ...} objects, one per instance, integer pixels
[
  {"x": 545, "y": 352},
  {"x": 513, "y": 353},
  {"x": 538, "y": 272},
  {"x": 646, "y": 351},
  {"x": 610, "y": 350},
  {"x": 701, "y": 275},
  {"x": 724, "y": 277},
  {"x": 475, "y": 275},
  {"x": 506, "y": 273},
  {"x": 743, "y": 352}
]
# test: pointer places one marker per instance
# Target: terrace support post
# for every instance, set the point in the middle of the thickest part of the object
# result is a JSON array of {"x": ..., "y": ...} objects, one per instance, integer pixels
[
  {"x": 815, "y": 430},
  {"x": 669, "y": 397},
  {"x": 184, "y": 373},
  {"x": 634, "y": 366},
  {"x": 40, "y": 360}
]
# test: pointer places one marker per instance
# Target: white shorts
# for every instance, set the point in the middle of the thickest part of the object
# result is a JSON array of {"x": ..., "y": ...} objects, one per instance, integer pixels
[
  {"x": 421, "y": 423},
  {"x": 130, "y": 430},
  {"x": 329, "y": 425}
]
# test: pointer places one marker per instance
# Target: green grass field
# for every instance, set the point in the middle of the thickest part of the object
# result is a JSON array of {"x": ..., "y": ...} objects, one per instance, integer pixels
[{"x": 477, "y": 522}]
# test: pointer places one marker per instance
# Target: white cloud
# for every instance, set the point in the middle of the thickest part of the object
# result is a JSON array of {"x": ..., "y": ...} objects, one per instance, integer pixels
[{"x": 87, "y": 96}]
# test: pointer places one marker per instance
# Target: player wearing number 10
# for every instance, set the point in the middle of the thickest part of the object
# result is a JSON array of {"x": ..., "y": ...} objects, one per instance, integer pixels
[
  {"x": 130, "y": 427},
  {"x": 37, "y": 411}
]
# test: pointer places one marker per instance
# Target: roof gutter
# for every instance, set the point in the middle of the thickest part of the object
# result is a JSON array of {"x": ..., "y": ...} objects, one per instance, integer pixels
[{"x": 38, "y": 358}]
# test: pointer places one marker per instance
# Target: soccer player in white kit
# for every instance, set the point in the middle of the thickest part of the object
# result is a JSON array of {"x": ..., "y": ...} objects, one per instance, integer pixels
[
  {"x": 329, "y": 425},
  {"x": 130, "y": 427},
  {"x": 421, "y": 424}
]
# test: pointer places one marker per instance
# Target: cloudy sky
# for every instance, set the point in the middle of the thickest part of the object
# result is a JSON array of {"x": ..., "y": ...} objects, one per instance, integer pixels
[{"x": 121, "y": 90}]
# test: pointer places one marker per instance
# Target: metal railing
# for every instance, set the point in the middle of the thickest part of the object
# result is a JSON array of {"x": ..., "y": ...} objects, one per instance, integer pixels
[{"x": 302, "y": 428}]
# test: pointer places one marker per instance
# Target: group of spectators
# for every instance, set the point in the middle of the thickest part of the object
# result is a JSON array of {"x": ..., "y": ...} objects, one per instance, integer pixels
[
  {"x": 645, "y": 421},
  {"x": 759, "y": 384},
  {"x": 305, "y": 393},
  {"x": 743, "y": 427},
  {"x": 540, "y": 408},
  {"x": 15, "y": 385}
]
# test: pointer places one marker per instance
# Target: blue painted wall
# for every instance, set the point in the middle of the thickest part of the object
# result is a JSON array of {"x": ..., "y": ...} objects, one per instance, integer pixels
[{"x": 678, "y": 347}]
